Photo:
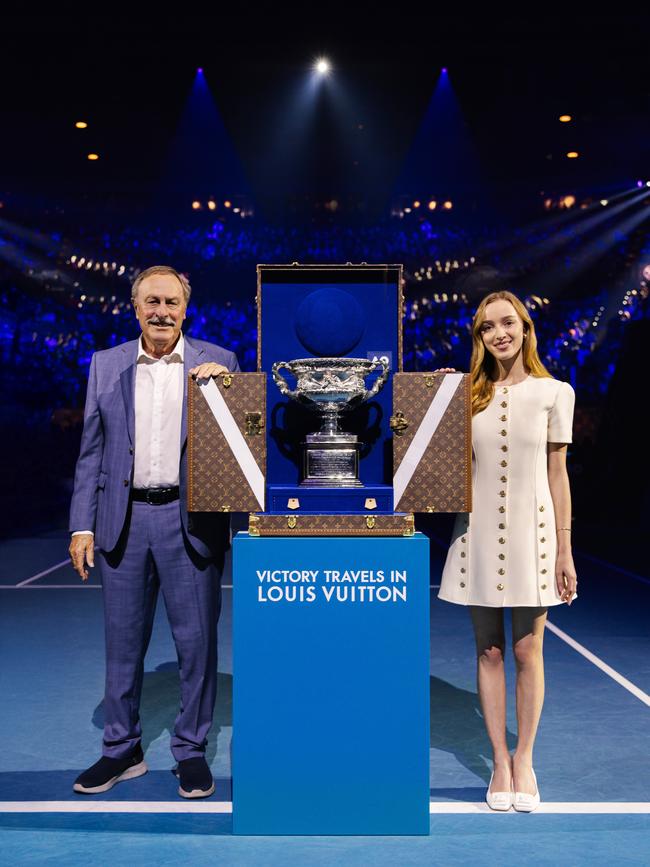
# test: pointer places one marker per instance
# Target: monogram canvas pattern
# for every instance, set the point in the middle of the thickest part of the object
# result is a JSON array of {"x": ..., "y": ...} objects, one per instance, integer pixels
[
  {"x": 216, "y": 482},
  {"x": 442, "y": 481},
  {"x": 331, "y": 525}
]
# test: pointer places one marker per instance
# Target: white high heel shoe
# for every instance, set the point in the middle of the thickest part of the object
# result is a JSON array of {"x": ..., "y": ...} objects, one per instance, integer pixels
[
  {"x": 525, "y": 803},
  {"x": 501, "y": 801}
]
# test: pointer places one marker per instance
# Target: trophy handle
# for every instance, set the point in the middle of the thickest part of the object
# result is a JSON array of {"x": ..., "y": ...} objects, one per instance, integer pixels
[
  {"x": 379, "y": 382},
  {"x": 280, "y": 381}
]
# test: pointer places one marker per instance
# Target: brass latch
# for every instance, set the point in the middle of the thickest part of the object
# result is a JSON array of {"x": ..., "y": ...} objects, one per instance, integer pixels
[
  {"x": 291, "y": 521},
  {"x": 370, "y": 521},
  {"x": 398, "y": 423},
  {"x": 227, "y": 380},
  {"x": 429, "y": 380},
  {"x": 254, "y": 424},
  {"x": 253, "y": 525}
]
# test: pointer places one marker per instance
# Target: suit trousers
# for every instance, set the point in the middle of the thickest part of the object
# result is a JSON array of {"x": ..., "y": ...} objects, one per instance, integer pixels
[{"x": 153, "y": 553}]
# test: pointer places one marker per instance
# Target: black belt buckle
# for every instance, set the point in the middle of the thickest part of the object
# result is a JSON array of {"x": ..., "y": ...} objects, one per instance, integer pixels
[{"x": 157, "y": 497}]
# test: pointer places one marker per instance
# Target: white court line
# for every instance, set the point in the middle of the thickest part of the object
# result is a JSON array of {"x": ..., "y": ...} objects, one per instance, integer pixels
[
  {"x": 43, "y": 573},
  {"x": 225, "y": 807},
  {"x": 623, "y": 681},
  {"x": 442, "y": 807},
  {"x": 114, "y": 807}
]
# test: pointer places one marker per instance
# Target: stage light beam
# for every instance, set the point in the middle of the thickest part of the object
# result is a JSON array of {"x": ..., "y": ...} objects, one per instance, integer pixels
[{"x": 322, "y": 66}]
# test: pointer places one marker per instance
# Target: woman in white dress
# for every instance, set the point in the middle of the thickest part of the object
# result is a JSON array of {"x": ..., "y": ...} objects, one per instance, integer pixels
[{"x": 514, "y": 549}]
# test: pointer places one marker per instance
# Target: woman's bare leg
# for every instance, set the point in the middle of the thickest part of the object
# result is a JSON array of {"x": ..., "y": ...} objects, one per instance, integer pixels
[
  {"x": 490, "y": 647},
  {"x": 527, "y": 644}
]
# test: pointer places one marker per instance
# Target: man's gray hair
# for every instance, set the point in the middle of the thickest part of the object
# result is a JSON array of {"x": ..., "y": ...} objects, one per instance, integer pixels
[{"x": 161, "y": 269}]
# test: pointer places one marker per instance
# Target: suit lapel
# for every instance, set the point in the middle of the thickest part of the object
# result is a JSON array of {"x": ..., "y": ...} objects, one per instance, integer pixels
[
  {"x": 192, "y": 358},
  {"x": 127, "y": 381}
]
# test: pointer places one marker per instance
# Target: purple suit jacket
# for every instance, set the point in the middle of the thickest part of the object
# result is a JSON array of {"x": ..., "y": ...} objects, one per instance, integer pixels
[{"x": 104, "y": 473}]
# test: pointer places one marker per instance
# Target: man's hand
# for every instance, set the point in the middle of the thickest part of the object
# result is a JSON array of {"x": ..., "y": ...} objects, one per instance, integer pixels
[
  {"x": 208, "y": 369},
  {"x": 82, "y": 551}
]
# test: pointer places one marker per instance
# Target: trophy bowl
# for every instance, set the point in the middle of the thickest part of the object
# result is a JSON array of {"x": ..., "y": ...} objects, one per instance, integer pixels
[{"x": 330, "y": 386}]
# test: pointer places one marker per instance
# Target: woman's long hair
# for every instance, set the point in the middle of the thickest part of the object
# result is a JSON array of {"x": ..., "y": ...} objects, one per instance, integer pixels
[{"x": 483, "y": 365}]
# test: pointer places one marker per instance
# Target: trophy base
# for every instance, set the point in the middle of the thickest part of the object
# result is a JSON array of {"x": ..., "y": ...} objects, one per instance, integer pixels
[{"x": 330, "y": 461}]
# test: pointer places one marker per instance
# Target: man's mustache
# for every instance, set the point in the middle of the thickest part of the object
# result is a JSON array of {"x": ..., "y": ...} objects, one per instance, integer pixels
[{"x": 158, "y": 321}]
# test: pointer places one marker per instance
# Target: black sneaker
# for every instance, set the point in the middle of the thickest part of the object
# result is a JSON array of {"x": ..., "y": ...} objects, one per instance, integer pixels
[
  {"x": 195, "y": 778},
  {"x": 103, "y": 775}
]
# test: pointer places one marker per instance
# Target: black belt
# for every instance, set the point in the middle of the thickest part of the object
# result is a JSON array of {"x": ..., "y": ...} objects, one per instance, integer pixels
[{"x": 155, "y": 496}]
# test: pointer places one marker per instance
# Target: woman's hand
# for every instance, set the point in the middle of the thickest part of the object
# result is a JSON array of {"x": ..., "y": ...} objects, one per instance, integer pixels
[
  {"x": 445, "y": 370},
  {"x": 565, "y": 576}
]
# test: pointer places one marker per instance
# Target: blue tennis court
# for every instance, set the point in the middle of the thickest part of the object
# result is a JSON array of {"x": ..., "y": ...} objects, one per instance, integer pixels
[{"x": 591, "y": 755}]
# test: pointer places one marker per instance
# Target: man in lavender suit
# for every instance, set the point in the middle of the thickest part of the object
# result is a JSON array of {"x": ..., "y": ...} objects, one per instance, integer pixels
[{"x": 130, "y": 506}]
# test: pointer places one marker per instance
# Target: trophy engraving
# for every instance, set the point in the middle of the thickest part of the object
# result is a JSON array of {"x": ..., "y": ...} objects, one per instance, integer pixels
[{"x": 330, "y": 386}]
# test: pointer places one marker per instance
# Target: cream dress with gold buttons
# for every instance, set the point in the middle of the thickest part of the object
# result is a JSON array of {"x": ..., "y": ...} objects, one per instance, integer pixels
[{"x": 503, "y": 552}]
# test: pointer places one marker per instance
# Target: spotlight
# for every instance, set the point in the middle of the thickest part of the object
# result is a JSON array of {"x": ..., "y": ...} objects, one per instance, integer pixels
[
  {"x": 196, "y": 206},
  {"x": 211, "y": 205},
  {"x": 572, "y": 155},
  {"x": 433, "y": 205},
  {"x": 322, "y": 66},
  {"x": 81, "y": 124},
  {"x": 565, "y": 118},
  {"x": 447, "y": 205},
  {"x": 93, "y": 156},
  {"x": 227, "y": 204},
  {"x": 416, "y": 204},
  {"x": 603, "y": 202}
]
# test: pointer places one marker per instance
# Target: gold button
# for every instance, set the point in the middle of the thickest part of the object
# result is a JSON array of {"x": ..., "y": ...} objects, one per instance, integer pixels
[
  {"x": 504, "y": 478},
  {"x": 499, "y": 586},
  {"x": 502, "y": 556},
  {"x": 502, "y": 526},
  {"x": 542, "y": 525},
  {"x": 543, "y": 539},
  {"x": 502, "y": 541},
  {"x": 504, "y": 463},
  {"x": 543, "y": 586},
  {"x": 462, "y": 583},
  {"x": 543, "y": 556},
  {"x": 504, "y": 403},
  {"x": 462, "y": 569},
  {"x": 501, "y": 571},
  {"x": 504, "y": 433},
  {"x": 541, "y": 508},
  {"x": 463, "y": 554},
  {"x": 504, "y": 448},
  {"x": 502, "y": 509},
  {"x": 504, "y": 418},
  {"x": 543, "y": 571},
  {"x": 502, "y": 493},
  {"x": 463, "y": 539}
]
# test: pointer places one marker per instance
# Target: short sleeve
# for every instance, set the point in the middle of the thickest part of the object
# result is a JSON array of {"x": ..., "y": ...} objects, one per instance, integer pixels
[{"x": 560, "y": 418}]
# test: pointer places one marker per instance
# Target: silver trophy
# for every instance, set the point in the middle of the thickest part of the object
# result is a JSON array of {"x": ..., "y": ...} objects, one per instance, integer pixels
[{"x": 330, "y": 386}]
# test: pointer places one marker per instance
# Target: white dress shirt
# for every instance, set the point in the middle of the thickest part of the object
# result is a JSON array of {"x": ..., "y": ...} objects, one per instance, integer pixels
[{"x": 158, "y": 414}]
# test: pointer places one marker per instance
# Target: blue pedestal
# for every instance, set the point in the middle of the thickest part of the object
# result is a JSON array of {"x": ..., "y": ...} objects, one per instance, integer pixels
[{"x": 331, "y": 693}]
